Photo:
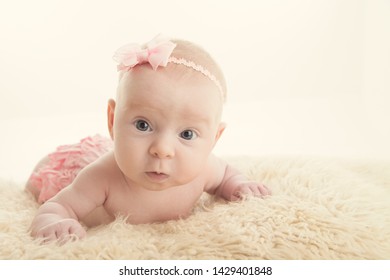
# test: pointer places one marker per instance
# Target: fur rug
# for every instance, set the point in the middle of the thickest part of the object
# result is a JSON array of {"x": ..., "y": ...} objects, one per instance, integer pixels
[{"x": 320, "y": 209}]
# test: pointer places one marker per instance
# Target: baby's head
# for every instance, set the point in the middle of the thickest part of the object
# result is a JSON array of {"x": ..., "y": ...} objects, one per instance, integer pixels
[
  {"x": 195, "y": 58},
  {"x": 184, "y": 60},
  {"x": 167, "y": 116}
]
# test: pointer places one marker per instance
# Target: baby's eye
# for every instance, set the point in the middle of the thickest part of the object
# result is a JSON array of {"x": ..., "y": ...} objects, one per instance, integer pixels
[
  {"x": 142, "y": 125},
  {"x": 188, "y": 134}
]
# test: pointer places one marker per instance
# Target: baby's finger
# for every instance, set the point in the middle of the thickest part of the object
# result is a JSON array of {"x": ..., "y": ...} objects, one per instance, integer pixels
[
  {"x": 79, "y": 231},
  {"x": 264, "y": 190},
  {"x": 255, "y": 190},
  {"x": 73, "y": 233},
  {"x": 236, "y": 196},
  {"x": 47, "y": 238},
  {"x": 241, "y": 193}
]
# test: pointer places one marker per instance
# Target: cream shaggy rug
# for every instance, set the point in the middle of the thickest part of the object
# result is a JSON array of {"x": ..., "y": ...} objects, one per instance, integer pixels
[{"x": 320, "y": 209}]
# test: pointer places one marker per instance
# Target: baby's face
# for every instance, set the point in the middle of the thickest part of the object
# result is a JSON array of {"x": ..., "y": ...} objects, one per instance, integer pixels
[{"x": 165, "y": 127}]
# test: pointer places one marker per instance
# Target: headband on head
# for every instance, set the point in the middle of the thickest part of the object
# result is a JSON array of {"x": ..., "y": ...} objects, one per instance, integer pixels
[{"x": 157, "y": 53}]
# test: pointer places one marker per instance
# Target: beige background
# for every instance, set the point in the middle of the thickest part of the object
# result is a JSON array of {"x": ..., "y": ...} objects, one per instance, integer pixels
[{"x": 304, "y": 77}]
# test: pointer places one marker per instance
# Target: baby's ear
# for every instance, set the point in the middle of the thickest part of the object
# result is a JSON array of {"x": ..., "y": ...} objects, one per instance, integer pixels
[
  {"x": 220, "y": 130},
  {"x": 110, "y": 117}
]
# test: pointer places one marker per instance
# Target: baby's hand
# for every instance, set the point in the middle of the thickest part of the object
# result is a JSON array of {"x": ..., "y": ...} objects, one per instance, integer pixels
[
  {"x": 61, "y": 231},
  {"x": 248, "y": 188}
]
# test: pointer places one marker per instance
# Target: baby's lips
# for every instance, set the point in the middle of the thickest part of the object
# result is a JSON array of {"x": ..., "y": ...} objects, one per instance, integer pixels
[{"x": 156, "y": 176}]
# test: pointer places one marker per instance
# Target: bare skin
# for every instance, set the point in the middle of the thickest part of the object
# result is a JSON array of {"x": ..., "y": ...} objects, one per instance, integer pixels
[{"x": 164, "y": 131}]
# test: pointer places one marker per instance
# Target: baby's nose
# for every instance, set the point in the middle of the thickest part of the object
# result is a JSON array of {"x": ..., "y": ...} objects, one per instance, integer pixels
[{"x": 162, "y": 148}]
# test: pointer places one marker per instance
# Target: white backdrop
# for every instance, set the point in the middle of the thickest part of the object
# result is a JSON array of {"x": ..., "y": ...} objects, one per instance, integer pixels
[{"x": 304, "y": 77}]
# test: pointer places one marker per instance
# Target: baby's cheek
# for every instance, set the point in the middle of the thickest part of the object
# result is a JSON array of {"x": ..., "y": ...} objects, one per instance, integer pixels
[{"x": 190, "y": 169}]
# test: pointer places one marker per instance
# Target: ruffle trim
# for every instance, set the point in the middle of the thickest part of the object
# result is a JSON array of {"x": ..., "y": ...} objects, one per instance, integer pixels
[{"x": 66, "y": 162}]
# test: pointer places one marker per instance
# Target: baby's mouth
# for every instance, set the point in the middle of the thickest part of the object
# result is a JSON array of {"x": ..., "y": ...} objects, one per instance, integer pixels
[{"x": 157, "y": 176}]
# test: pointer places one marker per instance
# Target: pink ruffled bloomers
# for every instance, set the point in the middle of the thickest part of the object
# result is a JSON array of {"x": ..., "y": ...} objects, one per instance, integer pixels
[{"x": 65, "y": 163}]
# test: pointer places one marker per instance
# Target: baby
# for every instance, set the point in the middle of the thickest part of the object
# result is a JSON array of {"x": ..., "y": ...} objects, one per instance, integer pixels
[{"x": 164, "y": 124}]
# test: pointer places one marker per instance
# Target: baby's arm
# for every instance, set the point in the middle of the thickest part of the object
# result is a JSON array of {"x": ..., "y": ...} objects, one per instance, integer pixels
[
  {"x": 231, "y": 184},
  {"x": 58, "y": 218},
  {"x": 54, "y": 222}
]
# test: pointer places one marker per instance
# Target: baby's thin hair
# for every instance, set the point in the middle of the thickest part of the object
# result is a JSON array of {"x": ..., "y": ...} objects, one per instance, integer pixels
[
  {"x": 161, "y": 51},
  {"x": 195, "y": 57}
]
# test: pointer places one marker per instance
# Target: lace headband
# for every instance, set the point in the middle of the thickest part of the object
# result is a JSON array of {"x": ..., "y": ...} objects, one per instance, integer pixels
[{"x": 157, "y": 53}]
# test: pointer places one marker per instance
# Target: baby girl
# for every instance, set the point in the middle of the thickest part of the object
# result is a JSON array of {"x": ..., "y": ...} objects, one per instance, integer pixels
[{"x": 164, "y": 123}]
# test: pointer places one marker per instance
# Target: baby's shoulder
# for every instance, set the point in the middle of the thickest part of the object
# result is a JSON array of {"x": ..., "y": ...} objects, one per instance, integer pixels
[
  {"x": 106, "y": 163},
  {"x": 214, "y": 171},
  {"x": 216, "y": 164},
  {"x": 102, "y": 171}
]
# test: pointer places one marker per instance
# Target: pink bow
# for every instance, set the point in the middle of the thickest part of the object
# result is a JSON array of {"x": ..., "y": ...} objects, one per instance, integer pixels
[{"x": 156, "y": 53}]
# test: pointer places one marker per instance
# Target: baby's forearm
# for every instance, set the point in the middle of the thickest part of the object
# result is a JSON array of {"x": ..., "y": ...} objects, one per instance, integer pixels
[
  {"x": 49, "y": 213},
  {"x": 230, "y": 181}
]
